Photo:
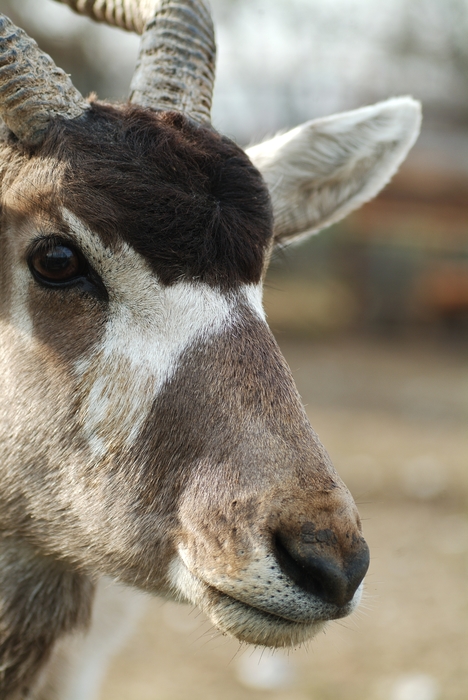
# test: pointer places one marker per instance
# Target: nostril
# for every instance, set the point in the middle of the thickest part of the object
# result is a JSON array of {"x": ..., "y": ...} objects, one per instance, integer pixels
[
  {"x": 313, "y": 574},
  {"x": 320, "y": 573}
]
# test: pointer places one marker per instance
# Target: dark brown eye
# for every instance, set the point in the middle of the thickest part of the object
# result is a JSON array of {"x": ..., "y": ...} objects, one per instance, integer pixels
[{"x": 56, "y": 263}]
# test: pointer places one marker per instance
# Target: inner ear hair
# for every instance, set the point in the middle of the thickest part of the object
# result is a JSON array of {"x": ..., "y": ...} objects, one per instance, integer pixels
[{"x": 322, "y": 170}]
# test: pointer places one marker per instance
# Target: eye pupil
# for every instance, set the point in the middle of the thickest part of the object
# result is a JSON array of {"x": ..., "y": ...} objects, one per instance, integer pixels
[{"x": 59, "y": 263}]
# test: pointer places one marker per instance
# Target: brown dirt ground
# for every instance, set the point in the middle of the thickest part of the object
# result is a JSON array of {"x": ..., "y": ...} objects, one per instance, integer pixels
[{"x": 393, "y": 416}]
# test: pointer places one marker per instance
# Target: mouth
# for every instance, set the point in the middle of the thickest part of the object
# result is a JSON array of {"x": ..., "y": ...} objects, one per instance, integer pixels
[
  {"x": 254, "y": 626},
  {"x": 244, "y": 621}
]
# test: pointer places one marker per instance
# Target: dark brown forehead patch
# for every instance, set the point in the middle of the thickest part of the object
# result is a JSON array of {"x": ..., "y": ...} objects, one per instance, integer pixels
[{"x": 181, "y": 195}]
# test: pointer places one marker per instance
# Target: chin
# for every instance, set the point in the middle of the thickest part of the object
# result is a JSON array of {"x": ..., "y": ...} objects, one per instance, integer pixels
[
  {"x": 245, "y": 622},
  {"x": 254, "y": 626}
]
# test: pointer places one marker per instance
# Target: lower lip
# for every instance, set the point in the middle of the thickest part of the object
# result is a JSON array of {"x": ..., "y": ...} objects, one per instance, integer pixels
[{"x": 259, "y": 611}]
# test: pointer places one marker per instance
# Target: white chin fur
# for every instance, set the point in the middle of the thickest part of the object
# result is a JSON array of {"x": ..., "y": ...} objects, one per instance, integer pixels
[{"x": 230, "y": 616}]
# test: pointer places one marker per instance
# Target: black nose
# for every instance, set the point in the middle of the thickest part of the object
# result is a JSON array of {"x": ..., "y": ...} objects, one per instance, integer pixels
[{"x": 316, "y": 563}]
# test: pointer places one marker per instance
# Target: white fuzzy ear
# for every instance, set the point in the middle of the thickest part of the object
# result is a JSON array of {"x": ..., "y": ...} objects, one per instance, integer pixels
[{"x": 320, "y": 171}]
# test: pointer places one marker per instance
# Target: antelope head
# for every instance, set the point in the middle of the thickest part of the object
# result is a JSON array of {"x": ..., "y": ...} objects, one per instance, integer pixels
[{"x": 150, "y": 428}]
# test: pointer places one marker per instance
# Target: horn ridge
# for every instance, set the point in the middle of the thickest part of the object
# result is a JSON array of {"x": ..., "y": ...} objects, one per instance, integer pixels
[
  {"x": 176, "y": 63},
  {"x": 131, "y": 15},
  {"x": 33, "y": 90},
  {"x": 175, "y": 69}
]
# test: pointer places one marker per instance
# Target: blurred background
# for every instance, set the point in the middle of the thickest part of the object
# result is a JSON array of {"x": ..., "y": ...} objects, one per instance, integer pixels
[{"x": 372, "y": 316}]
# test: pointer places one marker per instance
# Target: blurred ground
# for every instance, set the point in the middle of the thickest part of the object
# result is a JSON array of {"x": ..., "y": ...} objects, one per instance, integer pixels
[{"x": 393, "y": 415}]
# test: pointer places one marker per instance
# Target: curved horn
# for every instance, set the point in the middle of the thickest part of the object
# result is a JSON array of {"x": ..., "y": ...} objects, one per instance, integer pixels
[
  {"x": 131, "y": 15},
  {"x": 175, "y": 68},
  {"x": 33, "y": 91}
]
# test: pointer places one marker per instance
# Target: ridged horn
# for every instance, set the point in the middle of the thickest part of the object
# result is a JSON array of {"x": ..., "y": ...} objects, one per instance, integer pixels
[
  {"x": 131, "y": 15},
  {"x": 175, "y": 68},
  {"x": 33, "y": 91}
]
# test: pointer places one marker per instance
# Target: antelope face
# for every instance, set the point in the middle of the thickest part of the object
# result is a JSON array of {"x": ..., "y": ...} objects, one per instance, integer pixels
[
  {"x": 165, "y": 442},
  {"x": 149, "y": 426}
]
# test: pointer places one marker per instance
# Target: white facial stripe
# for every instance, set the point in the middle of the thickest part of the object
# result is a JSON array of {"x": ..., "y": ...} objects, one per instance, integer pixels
[
  {"x": 253, "y": 294},
  {"x": 150, "y": 325}
]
